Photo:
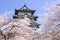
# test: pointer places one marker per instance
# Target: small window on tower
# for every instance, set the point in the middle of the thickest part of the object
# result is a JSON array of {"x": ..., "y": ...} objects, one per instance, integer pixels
[{"x": 21, "y": 13}]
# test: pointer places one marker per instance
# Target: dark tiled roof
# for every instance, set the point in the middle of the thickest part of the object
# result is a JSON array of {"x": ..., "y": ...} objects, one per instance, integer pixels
[
  {"x": 25, "y": 8},
  {"x": 34, "y": 24}
]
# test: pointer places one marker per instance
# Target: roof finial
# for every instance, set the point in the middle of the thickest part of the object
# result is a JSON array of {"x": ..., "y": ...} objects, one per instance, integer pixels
[{"x": 24, "y": 4}]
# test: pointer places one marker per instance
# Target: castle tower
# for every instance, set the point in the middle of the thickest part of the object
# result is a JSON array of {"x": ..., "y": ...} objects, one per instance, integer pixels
[{"x": 25, "y": 11}]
